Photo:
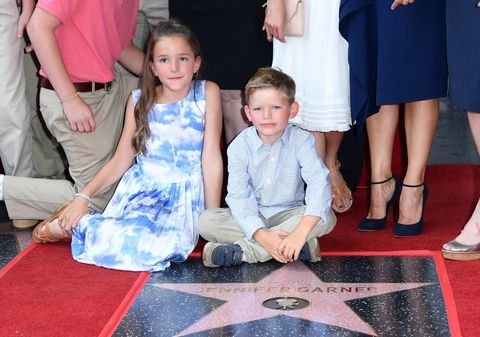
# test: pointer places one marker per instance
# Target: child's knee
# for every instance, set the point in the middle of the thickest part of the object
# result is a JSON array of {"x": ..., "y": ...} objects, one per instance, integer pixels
[{"x": 207, "y": 221}]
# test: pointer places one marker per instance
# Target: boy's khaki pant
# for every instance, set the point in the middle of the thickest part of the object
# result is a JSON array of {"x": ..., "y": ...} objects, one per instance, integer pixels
[
  {"x": 33, "y": 198},
  {"x": 217, "y": 225}
]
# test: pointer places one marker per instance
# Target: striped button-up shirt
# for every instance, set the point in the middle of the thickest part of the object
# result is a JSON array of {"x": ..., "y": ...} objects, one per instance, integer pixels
[{"x": 268, "y": 179}]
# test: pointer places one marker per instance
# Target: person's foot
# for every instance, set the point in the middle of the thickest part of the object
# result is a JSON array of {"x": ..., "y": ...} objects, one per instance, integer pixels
[
  {"x": 470, "y": 234},
  {"x": 380, "y": 194},
  {"x": 310, "y": 251},
  {"x": 342, "y": 196},
  {"x": 49, "y": 231},
  {"x": 466, "y": 246},
  {"x": 217, "y": 254},
  {"x": 410, "y": 205}
]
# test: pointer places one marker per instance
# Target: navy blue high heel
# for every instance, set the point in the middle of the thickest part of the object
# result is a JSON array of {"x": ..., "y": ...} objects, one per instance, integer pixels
[
  {"x": 401, "y": 230},
  {"x": 367, "y": 224}
]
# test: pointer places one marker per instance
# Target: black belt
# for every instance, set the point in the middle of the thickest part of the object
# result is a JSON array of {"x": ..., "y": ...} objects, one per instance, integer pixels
[{"x": 79, "y": 86}]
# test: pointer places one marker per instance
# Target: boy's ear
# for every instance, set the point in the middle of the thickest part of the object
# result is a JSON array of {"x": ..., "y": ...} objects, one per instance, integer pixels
[
  {"x": 198, "y": 63},
  {"x": 247, "y": 113},
  {"x": 294, "y": 109}
]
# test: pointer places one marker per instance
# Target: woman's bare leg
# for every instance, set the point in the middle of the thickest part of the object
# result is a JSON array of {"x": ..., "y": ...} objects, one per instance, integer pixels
[
  {"x": 471, "y": 232},
  {"x": 381, "y": 128},
  {"x": 420, "y": 123}
]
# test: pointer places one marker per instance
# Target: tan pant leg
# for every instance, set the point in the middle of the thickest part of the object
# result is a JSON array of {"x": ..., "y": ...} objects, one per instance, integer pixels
[
  {"x": 34, "y": 198},
  {"x": 15, "y": 132},
  {"x": 86, "y": 153},
  {"x": 234, "y": 118},
  {"x": 46, "y": 159},
  {"x": 217, "y": 225},
  {"x": 150, "y": 13},
  {"x": 287, "y": 221}
]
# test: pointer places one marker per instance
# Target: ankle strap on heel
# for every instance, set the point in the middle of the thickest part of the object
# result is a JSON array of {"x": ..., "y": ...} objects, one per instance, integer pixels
[
  {"x": 381, "y": 182},
  {"x": 413, "y": 186}
]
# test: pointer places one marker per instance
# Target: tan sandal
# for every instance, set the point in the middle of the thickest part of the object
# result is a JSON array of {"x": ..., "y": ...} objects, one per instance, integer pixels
[
  {"x": 42, "y": 232},
  {"x": 341, "y": 192}
]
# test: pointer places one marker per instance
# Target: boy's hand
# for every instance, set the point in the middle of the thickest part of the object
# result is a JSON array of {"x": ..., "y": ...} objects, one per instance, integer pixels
[
  {"x": 270, "y": 241},
  {"x": 72, "y": 214},
  {"x": 27, "y": 10},
  {"x": 291, "y": 246},
  {"x": 79, "y": 115}
]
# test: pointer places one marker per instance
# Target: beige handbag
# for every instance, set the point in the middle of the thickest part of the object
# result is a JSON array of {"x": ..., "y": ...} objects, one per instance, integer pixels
[{"x": 294, "y": 13}]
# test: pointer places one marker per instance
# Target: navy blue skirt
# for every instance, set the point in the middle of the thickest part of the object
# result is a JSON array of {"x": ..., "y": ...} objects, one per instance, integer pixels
[
  {"x": 463, "y": 48},
  {"x": 395, "y": 56}
]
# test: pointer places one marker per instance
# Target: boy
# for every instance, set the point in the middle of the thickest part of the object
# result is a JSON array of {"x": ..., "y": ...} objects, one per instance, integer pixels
[
  {"x": 270, "y": 213},
  {"x": 81, "y": 98}
]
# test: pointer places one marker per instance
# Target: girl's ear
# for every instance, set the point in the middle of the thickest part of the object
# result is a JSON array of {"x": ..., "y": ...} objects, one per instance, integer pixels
[
  {"x": 152, "y": 68},
  {"x": 294, "y": 109},
  {"x": 198, "y": 63},
  {"x": 247, "y": 113}
]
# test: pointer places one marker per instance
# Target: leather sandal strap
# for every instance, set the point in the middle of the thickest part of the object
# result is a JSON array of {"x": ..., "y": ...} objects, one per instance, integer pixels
[
  {"x": 413, "y": 186},
  {"x": 381, "y": 182}
]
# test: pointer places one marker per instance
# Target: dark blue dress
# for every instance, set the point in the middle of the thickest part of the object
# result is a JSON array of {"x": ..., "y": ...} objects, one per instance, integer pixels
[
  {"x": 463, "y": 48},
  {"x": 395, "y": 56}
]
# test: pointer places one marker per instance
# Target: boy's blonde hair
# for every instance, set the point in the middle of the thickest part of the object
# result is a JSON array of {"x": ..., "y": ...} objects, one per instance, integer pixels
[{"x": 271, "y": 78}]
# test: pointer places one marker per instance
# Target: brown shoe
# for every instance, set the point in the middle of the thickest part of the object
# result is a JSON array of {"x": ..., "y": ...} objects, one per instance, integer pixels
[
  {"x": 42, "y": 232},
  {"x": 24, "y": 224}
]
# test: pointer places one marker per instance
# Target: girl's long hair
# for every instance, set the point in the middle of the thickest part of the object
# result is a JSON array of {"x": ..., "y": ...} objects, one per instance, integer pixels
[{"x": 148, "y": 81}]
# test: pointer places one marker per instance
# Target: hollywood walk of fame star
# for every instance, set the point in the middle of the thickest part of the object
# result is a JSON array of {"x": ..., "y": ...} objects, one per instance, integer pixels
[{"x": 327, "y": 299}]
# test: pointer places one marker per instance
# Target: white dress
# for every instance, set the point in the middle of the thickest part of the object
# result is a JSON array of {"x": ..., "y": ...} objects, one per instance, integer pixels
[{"x": 318, "y": 62}]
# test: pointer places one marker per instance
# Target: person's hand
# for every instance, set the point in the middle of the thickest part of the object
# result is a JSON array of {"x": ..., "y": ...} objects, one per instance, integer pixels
[
  {"x": 397, "y": 3},
  {"x": 274, "y": 23},
  {"x": 291, "y": 246},
  {"x": 27, "y": 10},
  {"x": 72, "y": 214},
  {"x": 270, "y": 241},
  {"x": 79, "y": 115}
]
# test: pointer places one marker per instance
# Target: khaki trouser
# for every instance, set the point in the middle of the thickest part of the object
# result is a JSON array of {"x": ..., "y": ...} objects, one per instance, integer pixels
[
  {"x": 150, "y": 13},
  {"x": 46, "y": 160},
  {"x": 15, "y": 132},
  {"x": 30, "y": 198},
  {"x": 217, "y": 225}
]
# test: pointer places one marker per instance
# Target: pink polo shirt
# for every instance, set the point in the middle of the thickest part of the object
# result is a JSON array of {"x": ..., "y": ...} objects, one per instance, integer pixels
[{"x": 92, "y": 35}]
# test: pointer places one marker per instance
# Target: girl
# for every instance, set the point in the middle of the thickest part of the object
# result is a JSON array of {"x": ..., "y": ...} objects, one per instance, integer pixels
[
  {"x": 318, "y": 63},
  {"x": 172, "y": 128}
]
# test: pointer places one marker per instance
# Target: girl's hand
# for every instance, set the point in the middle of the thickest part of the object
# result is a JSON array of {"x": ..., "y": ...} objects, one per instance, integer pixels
[
  {"x": 291, "y": 246},
  {"x": 274, "y": 23},
  {"x": 72, "y": 214},
  {"x": 397, "y": 3},
  {"x": 78, "y": 114}
]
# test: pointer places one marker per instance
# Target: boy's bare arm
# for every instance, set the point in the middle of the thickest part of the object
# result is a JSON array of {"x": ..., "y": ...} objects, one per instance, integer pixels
[
  {"x": 270, "y": 241},
  {"x": 41, "y": 30},
  {"x": 291, "y": 246},
  {"x": 132, "y": 58}
]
